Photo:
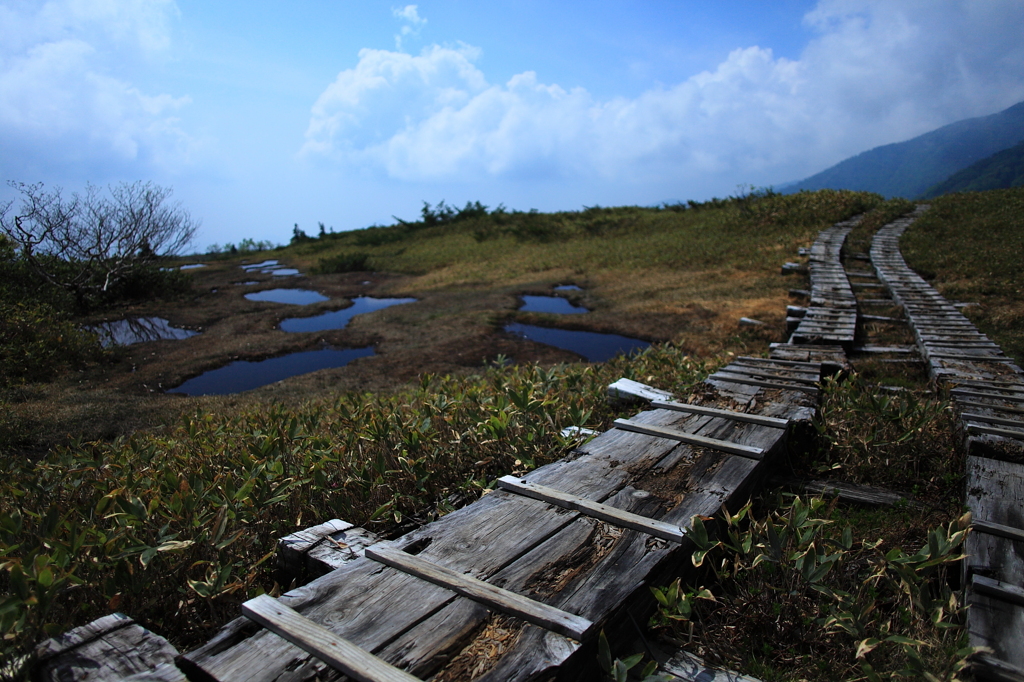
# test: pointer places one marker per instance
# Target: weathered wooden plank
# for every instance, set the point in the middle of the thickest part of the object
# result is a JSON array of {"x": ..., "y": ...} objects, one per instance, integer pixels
[
  {"x": 808, "y": 367},
  {"x": 885, "y": 349},
  {"x": 503, "y": 600},
  {"x": 997, "y": 589},
  {"x": 627, "y": 390},
  {"x": 773, "y": 422},
  {"x": 986, "y": 667},
  {"x": 593, "y": 509},
  {"x": 995, "y": 408},
  {"x": 847, "y": 492},
  {"x": 995, "y": 431},
  {"x": 113, "y": 647},
  {"x": 691, "y": 439},
  {"x": 739, "y": 379},
  {"x": 987, "y": 419},
  {"x": 984, "y": 394},
  {"x": 998, "y": 529},
  {"x": 792, "y": 377},
  {"x": 995, "y": 495},
  {"x": 340, "y": 654},
  {"x": 686, "y": 667}
]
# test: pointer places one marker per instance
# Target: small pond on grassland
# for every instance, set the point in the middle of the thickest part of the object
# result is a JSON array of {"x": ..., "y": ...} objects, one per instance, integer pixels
[
  {"x": 593, "y": 346},
  {"x": 243, "y": 375},
  {"x": 339, "y": 319},
  {"x": 137, "y": 330},
  {"x": 290, "y": 296},
  {"x": 550, "y": 304}
]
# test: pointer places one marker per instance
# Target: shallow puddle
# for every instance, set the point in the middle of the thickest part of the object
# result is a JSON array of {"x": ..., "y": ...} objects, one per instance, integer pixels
[
  {"x": 338, "y": 319},
  {"x": 192, "y": 266},
  {"x": 550, "y": 304},
  {"x": 283, "y": 272},
  {"x": 258, "y": 266},
  {"x": 290, "y": 296},
  {"x": 243, "y": 375},
  {"x": 593, "y": 346},
  {"x": 137, "y": 330},
  {"x": 568, "y": 287}
]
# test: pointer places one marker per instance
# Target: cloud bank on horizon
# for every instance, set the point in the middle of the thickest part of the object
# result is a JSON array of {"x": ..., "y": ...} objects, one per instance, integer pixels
[
  {"x": 89, "y": 91},
  {"x": 876, "y": 72}
]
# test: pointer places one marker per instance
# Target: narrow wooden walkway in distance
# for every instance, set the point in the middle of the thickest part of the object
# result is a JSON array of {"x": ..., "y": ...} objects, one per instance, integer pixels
[
  {"x": 832, "y": 316},
  {"x": 987, "y": 389}
]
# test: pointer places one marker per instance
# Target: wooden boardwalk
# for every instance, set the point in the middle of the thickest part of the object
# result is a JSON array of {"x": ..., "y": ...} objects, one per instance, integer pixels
[
  {"x": 987, "y": 389},
  {"x": 516, "y": 585},
  {"x": 550, "y": 557},
  {"x": 831, "y": 317}
]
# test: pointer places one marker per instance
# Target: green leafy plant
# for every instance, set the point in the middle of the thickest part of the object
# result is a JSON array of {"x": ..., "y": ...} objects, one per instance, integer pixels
[{"x": 790, "y": 586}]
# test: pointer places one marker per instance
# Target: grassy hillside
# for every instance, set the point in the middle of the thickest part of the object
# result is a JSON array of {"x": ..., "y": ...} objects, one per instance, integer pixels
[
  {"x": 908, "y": 169},
  {"x": 999, "y": 171}
]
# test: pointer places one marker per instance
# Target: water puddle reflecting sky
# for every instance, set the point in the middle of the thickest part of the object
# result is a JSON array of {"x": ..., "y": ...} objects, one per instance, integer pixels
[
  {"x": 339, "y": 319},
  {"x": 593, "y": 346},
  {"x": 192, "y": 266},
  {"x": 290, "y": 296},
  {"x": 137, "y": 330},
  {"x": 550, "y": 304},
  {"x": 258, "y": 266},
  {"x": 243, "y": 375},
  {"x": 568, "y": 287}
]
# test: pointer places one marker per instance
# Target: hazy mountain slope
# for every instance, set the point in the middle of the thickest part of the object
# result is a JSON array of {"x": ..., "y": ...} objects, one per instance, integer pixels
[
  {"x": 1002, "y": 170},
  {"x": 908, "y": 169}
]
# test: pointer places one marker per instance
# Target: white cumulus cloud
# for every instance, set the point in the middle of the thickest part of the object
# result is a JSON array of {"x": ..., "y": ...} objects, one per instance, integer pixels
[
  {"x": 63, "y": 95},
  {"x": 876, "y": 71},
  {"x": 410, "y": 14}
]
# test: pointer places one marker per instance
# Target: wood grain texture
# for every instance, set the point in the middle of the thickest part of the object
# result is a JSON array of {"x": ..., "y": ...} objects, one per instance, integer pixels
[
  {"x": 726, "y": 414},
  {"x": 321, "y": 642},
  {"x": 592, "y": 509},
  {"x": 489, "y": 595},
  {"x": 689, "y": 438},
  {"x": 111, "y": 648}
]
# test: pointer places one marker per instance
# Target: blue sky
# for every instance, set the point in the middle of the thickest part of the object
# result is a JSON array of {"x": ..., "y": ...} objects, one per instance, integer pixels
[{"x": 265, "y": 114}]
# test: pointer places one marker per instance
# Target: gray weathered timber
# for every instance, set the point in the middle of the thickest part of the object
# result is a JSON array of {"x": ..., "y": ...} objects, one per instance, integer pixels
[
  {"x": 627, "y": 390},
  {"x": 848, "y": 492},
  {"x": 315, "y": 551},
  {"x": 602, "y": 512},
  {"x": 691, "y": 439},
  {"x": 995, "y": 495},
  {"x": 725, "y": 414},
  {"x": 719, "y": 378},
  {"x": 110, "y": 648},
  {"x": 506, "y": 601},
  {"x": 997, "y": 589},
  {"x": 321, "y": 642}
]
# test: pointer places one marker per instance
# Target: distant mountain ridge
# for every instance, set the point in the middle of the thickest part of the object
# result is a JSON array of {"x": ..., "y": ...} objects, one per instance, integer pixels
[
  {"x": 911, "y": 168},
  {"x": 1002, "y": 170}
]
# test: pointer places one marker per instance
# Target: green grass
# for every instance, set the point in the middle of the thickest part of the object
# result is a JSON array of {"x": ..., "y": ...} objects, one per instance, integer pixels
[
  {"x": 741, "y": 234},
  {"x": 970, "y": 246}
]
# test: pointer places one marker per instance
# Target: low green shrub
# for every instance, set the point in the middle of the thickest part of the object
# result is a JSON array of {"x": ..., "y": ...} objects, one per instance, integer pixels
[
  {"x": 37, "y": 342},
  {"x": 793, "y": 596},
  {"x": 343, "y": 262}
]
